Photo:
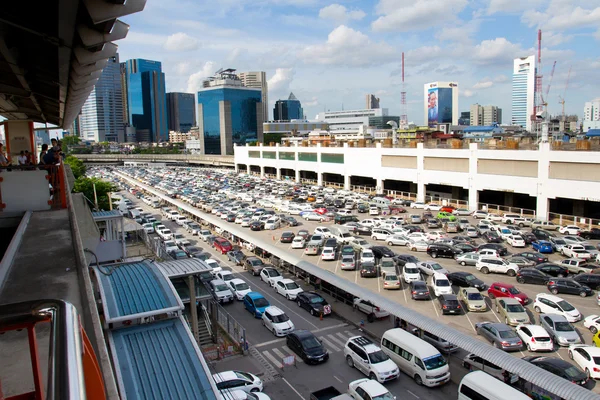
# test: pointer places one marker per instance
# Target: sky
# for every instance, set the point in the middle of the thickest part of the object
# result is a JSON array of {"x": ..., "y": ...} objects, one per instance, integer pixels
[{"x": 332, "y": 53}]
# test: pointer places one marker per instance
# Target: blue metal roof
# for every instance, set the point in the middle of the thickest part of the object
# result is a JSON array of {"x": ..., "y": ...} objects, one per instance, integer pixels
[
  {"x": 135, "y": 288},
  {"x": 160, "y": 361},
  {"x": 593, "y": 133},
  {"x": 106, "y": 214}
]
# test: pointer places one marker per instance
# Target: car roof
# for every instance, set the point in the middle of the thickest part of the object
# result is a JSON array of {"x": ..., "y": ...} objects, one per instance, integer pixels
[
  {"x": 448, "y": 297},
  {"x": 555, "y": 317},
  {"x": 502, "y": 284},
  {"x": 254, "y": 295},
  {"x": 274, "y": 310},
  {"x": 236, "y": 281},
  {"x": 536, "y": 329},
  {"x": 461, "y": 273},
  {"x": 509, "y": 300},
  {"x": 550, "y": 297},
  {"x": 302, "y": 333}
]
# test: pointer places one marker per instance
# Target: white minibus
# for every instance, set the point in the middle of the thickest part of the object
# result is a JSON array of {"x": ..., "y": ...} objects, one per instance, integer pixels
[{"x": 478, "y": 385}]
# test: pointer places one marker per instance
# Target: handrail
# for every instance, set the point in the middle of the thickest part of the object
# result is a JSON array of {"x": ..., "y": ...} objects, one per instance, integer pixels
[
  {"x": 207, "y": 320},
  {"x": 65, "y": 364}
]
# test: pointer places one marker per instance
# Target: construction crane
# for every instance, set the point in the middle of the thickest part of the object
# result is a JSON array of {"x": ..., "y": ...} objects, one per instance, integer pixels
[
  {"x": 562, "y": 98},
  {"x": 545, "y": 96}
]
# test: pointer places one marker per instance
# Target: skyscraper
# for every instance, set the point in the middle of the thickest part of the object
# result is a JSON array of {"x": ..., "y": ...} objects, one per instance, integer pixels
[
  {"x": 485, "y": 115},
  {"x": 146, "y": 100},
  {"x": 289, "y": 109},
  {"x": 101, "y": 118},
  {"x": 372, "y": 102},
  {"x": 258, "y": 80},
  {"x": 523, "y": 91},
  {"x": 228, "y": 113},
  {"x": 181, "y": 111},
  {"x": 441, "y": 104}
]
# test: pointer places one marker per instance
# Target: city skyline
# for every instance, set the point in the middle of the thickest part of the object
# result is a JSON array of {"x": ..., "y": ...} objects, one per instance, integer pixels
[{"x": 354, "y": 48}]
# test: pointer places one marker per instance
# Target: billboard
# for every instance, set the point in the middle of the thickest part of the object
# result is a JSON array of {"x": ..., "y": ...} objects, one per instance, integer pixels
[
  {"x": 444, "y": 106},
  {"x": 432, "y": 107}
]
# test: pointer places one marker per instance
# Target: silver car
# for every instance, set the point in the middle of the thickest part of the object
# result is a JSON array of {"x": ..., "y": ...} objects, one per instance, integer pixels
[
  {"x": 348, "y": 262},
  {"x": 431, "y": 267},
  {"x": 561, "y": 331},
  {"x": 471, "y": 232},
  {"x": 468, "y": 259},
  {"x": 501, "y": 335},
  {"x": 397, "y": 240}
]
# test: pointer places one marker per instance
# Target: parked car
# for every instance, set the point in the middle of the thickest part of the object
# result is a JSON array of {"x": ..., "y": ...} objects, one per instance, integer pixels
[
  {"x": 535, "y": 337},
  {"x": 592, "y": 322},
  {"x": 593, "y": 233},
  {"x": 313, "y": 303},
  {"x": 548, "y": 225},
  {"x": 559, "y": 368},
  {"x": 364, "y": 355},
  {"x": 255, "y": 303},
  {"x": 239, "y": 288},
  {"x": 590, "y": 280},
  {"x": 512, "y": 311},
  {"x": 368, "y": 389},
  {"x": 473, "y": 362},
  {"x": 522, "y": 262},
  {"x": 500, "y": 290},
  {"x": 307, "y": 346},
  {"x": 536, "y": 257},
  {"x": 570, "y": 230},
  {"x": 467, "y": 259},
  {"x": 442, "y": 250},
  {"x": 254, "y": 265},
  {"x": 287, "y": 237},
  {"x": 368, "y": 269},
  {"x": 496, "y": 265},
  {"x": 431, "y": 267},
  {"x": 568, "y": 286},
  {"x": 277, "y": 321},
  {"x": 232, "y": 380},
  {"x": 419, "y": 290},
  {"x": 466, "y": 279},
  {"x": 550, "y": 304},
  {"x": 551, "y": 269},
  {"x": 532, "y": 276},
  {"x": 588, "y": 359},
  {"x": 373, "y": 312},
  {"x": 542, "y": 246},
  {"x": 579, "y": 266},
  {"x": 561, "y": 331},
  {"x": 501, "y": 335},
  {"x": 575, "y": 251},
  {"x": 449, "y": 304},
  {"x": 288, "y": 288},
  {"x": 472, "y": 299}
]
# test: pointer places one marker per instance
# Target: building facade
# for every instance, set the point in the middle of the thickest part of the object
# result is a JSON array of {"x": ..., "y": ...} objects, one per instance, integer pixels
[
  {"x": 146, "y": 100},
  {"x": 465, "y": 118},
  {"x": 591, "y": 115},
  {"x": 484, "y": 115},
  {"x": 372, "y": 102},
  {"x": 441, "y": 104},
  {"x": 350, "y": 120},
  {"x": 228, "y": 113},
  {"x": 258, "y": 80},
  {"x": 181, "y": 111},
  {"x": 178, "y": 137},
  {"x": 297, "y": 127},
  {"x": 286, "y": 110},
  {"x": 523, "y": 91},
  {"x": 101, "y": 118},
  {"x": 382, "y": 122}
]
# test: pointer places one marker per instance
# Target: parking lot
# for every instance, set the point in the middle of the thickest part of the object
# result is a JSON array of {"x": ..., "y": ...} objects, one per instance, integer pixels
[{"x": 464, "y": 322}]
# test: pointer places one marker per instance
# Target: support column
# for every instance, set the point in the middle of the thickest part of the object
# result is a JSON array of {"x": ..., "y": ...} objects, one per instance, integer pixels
[
  {"x": 278, "y": 172},
  {"x": 542, "y": 207},
  {"x": 237, "y": 168},
  {"x": 297, "y": 176},
  {"x": 262, "y": 171},
  {"x": 473, "y": 199},
  {"x": 455, "y": 193},
  {"x": 420, "y": 170},
  {"x": 346, "y": 182},
  {"x": 509, "y": 199},
  {"x": 248, "y": 169},
  {"x": 379, "y": 186},
  {"x": 473, "y": 187},
  {"x": 420, "y": 191},
  {"x": 319, "y": 179}
]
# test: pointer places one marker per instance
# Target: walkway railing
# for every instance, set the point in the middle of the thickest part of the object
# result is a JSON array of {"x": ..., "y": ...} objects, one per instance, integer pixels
[
  {"x": 308, "y": 181},
  {"x": 500, "y": 209},
  {"x": 446, "y": 201},
  {"x": 401, "y": 195},
  {"x": 333, "y": 185},
  {"x": 582, "y": 222},
  {"x": 364, "y": 189}
]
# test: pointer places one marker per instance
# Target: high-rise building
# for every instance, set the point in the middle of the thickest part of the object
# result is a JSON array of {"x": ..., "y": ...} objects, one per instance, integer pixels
[
  {"x": 591, "y": 115},
  {"x": 523, "y": 91},
  {"x": 258, "y": 80},
  {"x": 351, "y": 120},
  {"x": 441, "y": 104},
  {"x": 228, "y": 113},
  {"x": 372, "y": 102},
  {"x": 181, "y": 111},
  {"x": 476, "y": 115},
  {"x": 286, "y": 110},
  {"x": 465, "y": 118},
  {"x": 101, "y": 118},
  {"x": 146, "y": 100},
  {"x": 485, "y": 115}
]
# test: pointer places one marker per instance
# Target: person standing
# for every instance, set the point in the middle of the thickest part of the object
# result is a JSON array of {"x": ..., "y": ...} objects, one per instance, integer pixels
[
  {"x": 3, "y": 160},
  {"x": 43, "y": 153}
]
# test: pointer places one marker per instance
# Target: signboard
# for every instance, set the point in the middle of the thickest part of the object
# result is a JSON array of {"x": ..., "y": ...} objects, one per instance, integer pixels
[
  {"x": 432, "y": 106},
  {"x": 289, "y": 360}
]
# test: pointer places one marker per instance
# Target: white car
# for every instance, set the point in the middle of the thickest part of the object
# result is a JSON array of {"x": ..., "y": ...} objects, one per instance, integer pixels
[
  {"x": 238, "y": 380},
  {"x": 272, "y": 223},
  {"x": 246, "y": 221},
  {"x": 588, "y": 359},
  {"x": 575, "y": 251},
  {"x": 366, "y": 389},
  {"x": 435, "y": 235},
  {"x": 313, "y": 216},
  {"x": 480, "y": 214},
  {"x": 380, "y": 233},
  {"x": 241, "y": 395},
  {"x": 288, "y": 288},
  {"x": 515, "y": 241},
  {"x": 323, "y": 231},
  {"x": 496, "y": 265},
  {"x": 371, "y": 223},
  {"x": 417, "y": 236},
  {"x": 180, "y": 239},
  {"x": 328, "y": 254},
  {"x": 364, "y": 355},
  {"x": 298, "y": 242},
  {"x": 433, "y": 207},
  {"x": 182, "y": 220},
  {"x": 551, "y": 304},
  {"x": 417, "y": 204},
  {"x": 592, "y": 322},
  {"x": 165, "y": 234},
  {"x": 149, "y": 228},
  {"x": 373, "y": 211},
  {"x": 214, "y": 264},
  {"x": 397, "y": 240},
  {"x": 270, "y": 276},
  {"x": 569, "y": 230},
  {"x": 225, "y": 275},
  {"x": 239, "y": 288},
  {"x": 411, "y": 272},
  {"x": 367, "y": 256},
  {"x": 170, "y": 245},
  {"x": 277, "y": 321},
  {"x": 418, "y": 245},
  {"x": 535, "y": 337},
  {"x": 431, "y": 267}
]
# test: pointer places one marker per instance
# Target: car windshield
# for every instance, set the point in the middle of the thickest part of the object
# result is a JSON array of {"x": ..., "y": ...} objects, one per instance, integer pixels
[
  {"x": 515, "y": 308},
  {"x": 470, "y": 277},
  {"x": 509, "y": 334},
  {"x": 291, "y": 286},
  {"x": 475, "y": 296},
  {"x": 434, "y": 362},
  {"x": 562, "y": 326},
  {"x": 384, "y": 396},
  {"x": 560, "y": 241},
  {"x": 442, "y": 282},
  {"x": 436, "y": 266},
  {"x": 513, "y": 290},
  {"x": 273, "y": 272},
  {"x": 565, "y": 306},
  {"x": 317, "y": 300},
  {"x": 242, "y": 286},
  {"x": 377, "y": 357},
  {"x": 221, "y": 288},
  {"x": 391, "y": 278},
  {"x": 256, "y": 262},
  {"x": 411, "y": 270},
  {"x": 310, "y": 342},
  {"x": 280, "y": 318}
]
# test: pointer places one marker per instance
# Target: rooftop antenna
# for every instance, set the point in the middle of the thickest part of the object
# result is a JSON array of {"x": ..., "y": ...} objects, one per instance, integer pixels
[
  {"x": 538, "y": 101},
  {"x": 403, "y": 107}
]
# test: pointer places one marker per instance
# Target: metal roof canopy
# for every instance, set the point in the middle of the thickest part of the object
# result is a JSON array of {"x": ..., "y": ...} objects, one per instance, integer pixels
[
  {"x": 182, "y": 268},
  {"x": 544, "y": 379},
  {"x": 104, "y": 215},
  {"x": 52, "y": 53}
]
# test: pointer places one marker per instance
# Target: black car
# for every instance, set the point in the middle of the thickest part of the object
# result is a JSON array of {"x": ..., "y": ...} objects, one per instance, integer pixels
[
  {"x": 542, "y": 234},
  {"x": 569, "y": 286},
  {"x": 555, "y": 270},
  {"x": 466, "y": 279},
  {"x": 465, "y": 247},
  {"x": 363, "y": 230},
  {"x": 191, "y": 250},
  {"x": 368, "y": 270},
  {"x": 528, "y": 237},
  {"x": 362, "y": 208},
  {"x": 449, "y": 304},
  {"x": 442, "y": 250},
  {"x": 502, "y": 251},
  {"x": 419, "y": 290},
  {"x": 178, "y": 254},
  {"x": 593, "y": 233},
  {"x": 381, "y": 251},
  {"x": 304, "y": 234},
  {"x": 413, "y": 228},
  {"x": 287, "y": 237},
  {"x": 313, "y": 303},
  {"x": 291, "y": 221},
  {"x": 536, "y": 257},
  {"x": 257, "y": 226},
  {"x": 236, "y": 256},
  {"x": 463, "y": 239},
  {"x": 590, "y": 280},
  {"x": 230, "y": 217},
  {"x": 532, "y": 275},
  {"x": 307, "y": 346},
  {"x": 559, "y": 367},
  {"x": 403, "y": 259},
  {"x": 491, "y": 237}
]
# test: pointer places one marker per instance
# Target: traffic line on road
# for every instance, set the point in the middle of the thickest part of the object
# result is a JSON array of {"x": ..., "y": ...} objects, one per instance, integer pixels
[
  {"x": 263, "y": 344},
  {"x": 337, "y": 341},
  {"x": 272, "y": 358},
  {"x": 329, "y": 344},
  {"x": 338, "y": 379},
  {"x": 291, "y": 387},
  {"x": 330, "y": 327},
  {"x": 412, "y": 394},
  {"x": 558, "y": 354},
  {"x": 291, "y": 353},
  {"x": 469, "y": 319}
]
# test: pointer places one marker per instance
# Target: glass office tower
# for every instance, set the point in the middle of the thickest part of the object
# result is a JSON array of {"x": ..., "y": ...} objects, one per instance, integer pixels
[
  {"x": 146, "y": 99},
  {"x": 181, "y": 111},
  {"x": 286, "y": 110}
]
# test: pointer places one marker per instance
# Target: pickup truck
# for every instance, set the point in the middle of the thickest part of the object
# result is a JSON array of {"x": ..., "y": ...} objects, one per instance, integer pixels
[{"x": 329, "y": 393}]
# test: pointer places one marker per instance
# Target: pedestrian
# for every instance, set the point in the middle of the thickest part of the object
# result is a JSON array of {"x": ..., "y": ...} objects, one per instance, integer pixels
[
  {"x": 22, "y": 159},
  {"x": 43, "y": 153},
  {"x": 3, "y": 160}
]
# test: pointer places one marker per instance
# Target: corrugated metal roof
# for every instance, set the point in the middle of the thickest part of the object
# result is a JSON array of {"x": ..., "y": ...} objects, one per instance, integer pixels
[
  {"x": 178, "y": 268},
  {"x": 106, "y": 214},
  {"x": 160, "y": 361},
  {"x": 556, "y": 385},
  {"x": 135, "y": 288}
]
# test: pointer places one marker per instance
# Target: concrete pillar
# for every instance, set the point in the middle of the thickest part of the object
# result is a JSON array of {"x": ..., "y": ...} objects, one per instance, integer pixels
[
  {"x": 248, "y": 169},
  {"x": 237, "y": 168},
  {"x": 473, "y": 199},
  {"x": 509, "y": 199},
  {"x": 473, "y": 188},
  {"x": 262, "y": 171},
  {"x": 543, "y": 175},
  {"x": 346, "y": 182},
  {"x": 379, "y": 186},
  {"x": 278, "y": 173},
  {"x": 297, "y": 176},
  {"x": 420, "y": 191},
  {"x": 420, "y": 170},
  {"x": 542, "y": 207},
  {"x": 319, "y": 179}
]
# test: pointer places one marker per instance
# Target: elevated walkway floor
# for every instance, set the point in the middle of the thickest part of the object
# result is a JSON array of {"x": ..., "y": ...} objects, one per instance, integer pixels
[{"x": 44, "y": 267}]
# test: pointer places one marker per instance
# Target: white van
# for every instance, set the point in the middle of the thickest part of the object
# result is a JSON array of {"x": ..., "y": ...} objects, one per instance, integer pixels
[
  {"x": 341, "y": 234},
  {"x": 380, "y": 202},
  {"x": 441, "y": 284},
  {"x": 415, "y": 357},
  {"x": 479, "y": 385}
]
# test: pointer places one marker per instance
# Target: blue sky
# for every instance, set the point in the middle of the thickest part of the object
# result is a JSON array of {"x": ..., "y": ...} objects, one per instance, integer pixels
[{"x": 333, "y": 53}]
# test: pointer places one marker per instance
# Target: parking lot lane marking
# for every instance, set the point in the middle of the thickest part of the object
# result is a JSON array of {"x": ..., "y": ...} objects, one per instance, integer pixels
[
  {"x": 338, "y": 379},
  {"x": 337, "y": 264},
  {"x": 336, "y": 340},
  {"x": 404, "y": 291},
  {"x": 558, "y": 354},
  {"x": 272, "y": 358},
  {"x": 413, "y": 394},
  {"x": 291, "y": 353},
  {"x": 329, "y": 344},
  {"x": 263, "y": 344},
  {"x": 295, "y": 391},
  {"x": 469, "y": 319}
]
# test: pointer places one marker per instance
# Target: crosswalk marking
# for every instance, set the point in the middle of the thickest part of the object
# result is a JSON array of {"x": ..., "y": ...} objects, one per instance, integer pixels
[
  {"x": 337, "y": 341},
  {"x": 291, "y": 353},
  {"x": 344, "y": 338},
  {"x": 272, "y": 359},
  {"x": 278, "y": 353},
  {"x": 329, "y": 344}
]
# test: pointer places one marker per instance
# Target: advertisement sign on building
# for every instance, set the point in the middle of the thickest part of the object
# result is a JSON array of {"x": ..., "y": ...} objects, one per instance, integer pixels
[{"x": 432, "y": 107}]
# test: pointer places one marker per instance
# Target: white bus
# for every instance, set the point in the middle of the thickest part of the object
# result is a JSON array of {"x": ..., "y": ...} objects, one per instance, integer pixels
[{"x": 478, "y": 385}]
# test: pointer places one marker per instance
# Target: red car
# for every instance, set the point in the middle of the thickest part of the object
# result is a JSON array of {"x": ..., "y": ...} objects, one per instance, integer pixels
[
  {"x": 448, "y": 209},
  {"x": 222, "y": 245},
  {"x": 320, "y": 210},
  {"x": 499, "y": 289}
]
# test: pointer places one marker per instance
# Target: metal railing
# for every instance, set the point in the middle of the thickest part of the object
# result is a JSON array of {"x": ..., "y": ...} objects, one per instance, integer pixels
[
  {"x": 500, "y": 209},
  {"x": 363, "y": 189},
  {"x": 65, "y": 364},
  {"x": 582, "y": 222},
  {"x": 401, "y": 195},
  {"x": 446, "y": 201},
  {"x": 308, "y": 181},
  {"x": 333, "y": 185}
]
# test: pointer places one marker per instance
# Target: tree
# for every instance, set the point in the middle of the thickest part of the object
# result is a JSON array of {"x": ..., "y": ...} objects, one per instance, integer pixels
[
  {"x": 86, "y": 186},
  {"x": 76, "y": 165},
  {"x": 70, "y": 140}
]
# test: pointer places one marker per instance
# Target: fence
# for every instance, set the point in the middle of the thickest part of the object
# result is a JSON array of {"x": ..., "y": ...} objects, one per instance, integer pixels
[
  {"x": 333, "y": 185},
  {"x": 308, "y": 181},
  {"x": 447, "y": 201},
  {"x": 498, "y": 209},
  {"x": 154, "y": 244},
  {"x": 401, "y": 195},
  {"x": 364, "y": 189},
  {"x": 582, "y": 222}
]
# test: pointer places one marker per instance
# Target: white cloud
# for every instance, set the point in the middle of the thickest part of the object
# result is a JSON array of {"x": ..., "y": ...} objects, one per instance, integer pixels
[
  {"x": 510, "y": 6},
  {"x": 314, "y": 101},
  {"x": 459, "y": 33},
  {"x": 466, "y": 93},
  {"x": 181, "y": 41},
  {"x": 134, "y": 37},
  {"x": 345, "y": 46},
  {"x": 407, "y": 15},
  {"x": 496, "y": 51},
  {"x": 182, "y": 68},
  {"x": 280, "y": 82},
  {"x": 340, "y": 14},
  {"x": 554, "y": 39},
  {"x": 194, "y": 82},
  {"x": 483, "y": 85},
  {"x": 501, "y": 79},
  {"x": 563, "y": 15}
]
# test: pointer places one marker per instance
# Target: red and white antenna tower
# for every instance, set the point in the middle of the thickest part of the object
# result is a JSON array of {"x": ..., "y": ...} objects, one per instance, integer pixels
[
  {"x": 538, "y": 100},
  {"x": 403, "y": 107}
]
